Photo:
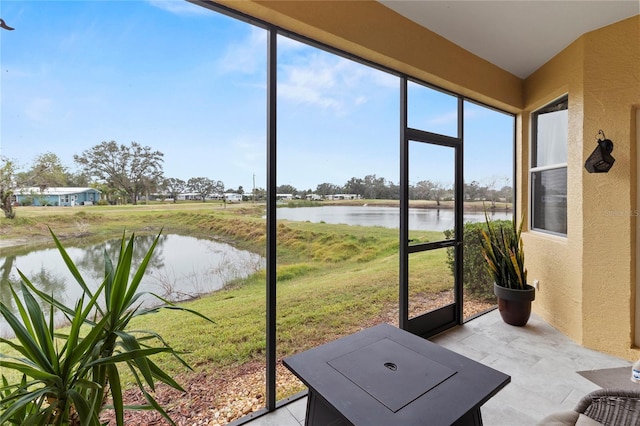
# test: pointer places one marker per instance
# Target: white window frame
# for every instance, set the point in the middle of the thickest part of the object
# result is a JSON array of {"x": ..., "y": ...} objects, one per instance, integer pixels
[{"x": 546, "y": 167}]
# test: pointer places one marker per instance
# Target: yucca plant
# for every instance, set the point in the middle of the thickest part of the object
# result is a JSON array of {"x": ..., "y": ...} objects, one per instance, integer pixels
[
  {"x": 502, "y": 248},
  {"x": 67, "y": 378}
]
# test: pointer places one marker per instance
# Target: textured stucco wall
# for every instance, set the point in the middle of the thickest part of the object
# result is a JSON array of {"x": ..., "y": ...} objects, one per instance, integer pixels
[
  {"x": 612, "y": 89},
  {"x": 555, "y": 261},
  {"x": 587, "y": 281}
]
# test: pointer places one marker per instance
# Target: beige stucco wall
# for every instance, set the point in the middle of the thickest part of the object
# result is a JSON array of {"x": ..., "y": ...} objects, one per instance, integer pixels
[
  {"x": 587, "y": 280},
  {"x": 612, "y": 89},
  {"x": 551, "y": 259}
]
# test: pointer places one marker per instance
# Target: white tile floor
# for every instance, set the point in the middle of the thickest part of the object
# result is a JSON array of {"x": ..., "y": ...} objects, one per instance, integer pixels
[{"x": 541, "y": 361}]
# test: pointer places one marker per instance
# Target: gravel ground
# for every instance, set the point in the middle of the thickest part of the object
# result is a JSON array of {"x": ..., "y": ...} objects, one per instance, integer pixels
[
  {"x": 216, "y": 400},
  {"x": 208, "y": 400}
]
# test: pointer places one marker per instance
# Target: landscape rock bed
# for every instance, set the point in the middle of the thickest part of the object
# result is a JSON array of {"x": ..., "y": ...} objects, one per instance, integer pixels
[{"x": 216, "y": 400}]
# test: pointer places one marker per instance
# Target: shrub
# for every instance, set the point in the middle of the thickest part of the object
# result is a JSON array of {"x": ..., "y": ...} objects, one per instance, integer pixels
[
  {"x": 502, "y": 248},
  {"x": 477, "y": 281}
]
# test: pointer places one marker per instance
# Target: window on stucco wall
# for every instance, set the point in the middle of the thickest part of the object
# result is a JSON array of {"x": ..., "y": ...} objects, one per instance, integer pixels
[{"x": 549, "y": 168}]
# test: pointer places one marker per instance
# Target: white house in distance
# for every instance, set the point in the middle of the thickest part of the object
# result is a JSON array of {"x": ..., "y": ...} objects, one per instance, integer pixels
[
  {"x": 186, "y": 196},
  {"x": 57, "y": 196},
  {"x": 344, "y": 197},
  {"x": 232, "y": 197}
]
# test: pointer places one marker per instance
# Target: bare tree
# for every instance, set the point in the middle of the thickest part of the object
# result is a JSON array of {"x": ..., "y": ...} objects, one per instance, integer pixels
[
  {"x": 492, "y": 184},
  {"x": 6, "y": 187},
  {"x": 174, "y": 187},
  {"x": 204, "y": 187},
  {"x": 438, "y": 191},
  {"x": 423, "y": 190}
]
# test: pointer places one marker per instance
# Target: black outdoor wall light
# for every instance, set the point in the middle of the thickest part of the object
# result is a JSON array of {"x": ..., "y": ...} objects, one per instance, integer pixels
[{"x": 600, "y": 160}]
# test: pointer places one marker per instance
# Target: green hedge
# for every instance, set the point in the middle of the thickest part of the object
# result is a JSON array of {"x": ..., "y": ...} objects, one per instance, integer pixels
[{"x": 476, "y": 278}]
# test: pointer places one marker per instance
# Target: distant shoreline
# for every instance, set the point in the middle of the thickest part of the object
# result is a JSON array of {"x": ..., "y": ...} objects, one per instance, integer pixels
[
  {"x": 476, "y": 206},
  {"x": 12, "y": 242}
]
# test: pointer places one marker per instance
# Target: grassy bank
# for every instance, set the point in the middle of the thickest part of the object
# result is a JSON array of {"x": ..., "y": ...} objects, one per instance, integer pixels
[
  {"x": 332, "y": 279},
  {"x": 31, "y": 223}
]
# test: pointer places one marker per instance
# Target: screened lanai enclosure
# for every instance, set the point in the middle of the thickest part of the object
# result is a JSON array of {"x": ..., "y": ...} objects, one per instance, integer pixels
[
  {"x": 335, "y": 119},
  {"x": 306, "y": 123}
]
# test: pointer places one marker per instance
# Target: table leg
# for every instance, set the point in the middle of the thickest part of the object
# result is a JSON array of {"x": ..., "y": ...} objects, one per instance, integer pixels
[
  {"x": 472, "y": 418},
  {"x": 320, "y": 413}
]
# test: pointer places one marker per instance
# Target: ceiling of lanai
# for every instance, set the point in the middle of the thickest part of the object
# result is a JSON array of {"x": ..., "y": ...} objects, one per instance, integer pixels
[{"x": 518, "y": 36}]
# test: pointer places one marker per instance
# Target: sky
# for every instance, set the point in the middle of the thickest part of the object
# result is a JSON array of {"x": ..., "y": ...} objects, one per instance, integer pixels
[{"x": 191, "y": 83}]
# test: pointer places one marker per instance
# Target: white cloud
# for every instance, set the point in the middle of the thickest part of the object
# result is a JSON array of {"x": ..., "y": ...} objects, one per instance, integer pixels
[
  {"x": 386, "y": 80},
  {"x": 361, "y": 100},
  {"x": 250, "y": 149},
  {"x": 446, "y": 118},
  {"x": 473, "y": 111},
  {"x": 307, "y": 76},
  {"x": 245, "y": 157},
  {"x": 247, "y": 56},
  {"x": 179, "y": 7},
  {"x": 326, "y": 81},
  {"x": 39, "y": 109},
  {"x": 288, "y": 45}
]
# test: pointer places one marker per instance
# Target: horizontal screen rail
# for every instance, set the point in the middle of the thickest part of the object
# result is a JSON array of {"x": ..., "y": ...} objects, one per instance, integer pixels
[
  {"x": 433, "y": 138},
  {"x": 415, "y": 248}
]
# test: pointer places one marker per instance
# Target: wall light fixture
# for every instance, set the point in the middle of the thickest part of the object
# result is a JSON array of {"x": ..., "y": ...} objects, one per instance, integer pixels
[{"x": 600, "y": 160}]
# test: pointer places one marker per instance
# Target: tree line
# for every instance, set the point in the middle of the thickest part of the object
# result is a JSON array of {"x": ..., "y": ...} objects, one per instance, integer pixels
[
  {"x": 373, "y": 187},
  {"x": 128, "y": 173},
  {"x": 122, "y": 173}
]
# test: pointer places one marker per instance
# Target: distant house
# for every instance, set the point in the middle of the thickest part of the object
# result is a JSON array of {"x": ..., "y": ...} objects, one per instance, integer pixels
[
  {"x": 232, "y": 197},
  {"x": 344, "y": 197},
  {"x": 62, "y": 196},
  {"x": 189, "y": 196}
]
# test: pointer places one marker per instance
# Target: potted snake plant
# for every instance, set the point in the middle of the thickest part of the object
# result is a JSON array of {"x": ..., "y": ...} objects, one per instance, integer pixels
[{"x": 503, "y": 251}]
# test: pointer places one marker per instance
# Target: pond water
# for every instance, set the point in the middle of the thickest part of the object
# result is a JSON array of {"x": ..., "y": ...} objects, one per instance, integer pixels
[
  {"x": 181, "y": 268},
  {"x": 184, "y": 267},
  {"x": 387, "y": 217}
]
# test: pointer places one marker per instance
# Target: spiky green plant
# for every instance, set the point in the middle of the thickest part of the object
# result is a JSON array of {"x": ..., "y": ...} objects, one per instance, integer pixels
[
  {"x": 503, "y": 250},
  {"x": 68, "y": 377}
]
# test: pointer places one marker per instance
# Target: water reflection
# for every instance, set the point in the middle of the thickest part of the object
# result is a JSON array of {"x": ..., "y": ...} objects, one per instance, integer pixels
[
  {"x": 387, "y": 217},
  {"x": 90, "y": 260},
  {"x": 44, "y": 279},
  {"x": 5, "y": 274},
  {"x": 181, "y": 268}
]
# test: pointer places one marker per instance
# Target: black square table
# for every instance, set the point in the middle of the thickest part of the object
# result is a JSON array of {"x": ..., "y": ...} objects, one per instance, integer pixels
[{"x": 389, "y": 377}]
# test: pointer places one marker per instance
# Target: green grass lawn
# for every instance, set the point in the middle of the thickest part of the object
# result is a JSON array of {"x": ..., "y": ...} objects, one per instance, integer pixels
[{"x": 332, "y": 279}]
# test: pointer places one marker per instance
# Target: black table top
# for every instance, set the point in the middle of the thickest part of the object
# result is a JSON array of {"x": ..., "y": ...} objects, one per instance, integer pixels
[{"x": 387, "y": 376}]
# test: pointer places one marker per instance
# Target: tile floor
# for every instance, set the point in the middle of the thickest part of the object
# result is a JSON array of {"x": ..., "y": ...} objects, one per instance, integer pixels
[{"x": 541, "y": 361}]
